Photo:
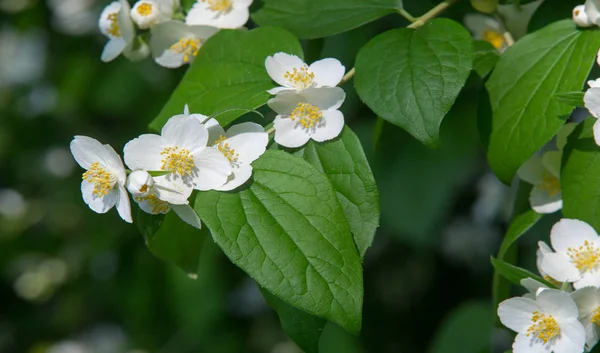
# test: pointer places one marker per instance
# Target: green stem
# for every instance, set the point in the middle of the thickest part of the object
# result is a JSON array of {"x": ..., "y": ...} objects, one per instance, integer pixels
[{"x": 406, "y": 15}]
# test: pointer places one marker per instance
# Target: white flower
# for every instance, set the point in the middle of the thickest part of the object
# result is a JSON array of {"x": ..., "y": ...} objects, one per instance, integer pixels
[
  {"x": 580, "y": 17},
  {"x": 591, "y": 99},
  {"x": 173, "y": 43},
  {"x": 219, "y": 13},
  {"x": 592, "y": 10},
  {"x": 588, "y": 303},
  {"x": 547, "y": 324},
  {"x": 156, "y": 195},
  {"x": 577, "y": 254},
  {"x": 486, "y": 28},
  {"x": 517, "y": 17},
  {"x": 242, "y": 144},
  {"x": 311, "y": 114},
  {"x": 146, "y": 13},
  {"x": 180, "y": 150},
  {"x": 116, "y": 24},
  {"x": 103, "y": 184},
  {"x": 293, "y": 74}
]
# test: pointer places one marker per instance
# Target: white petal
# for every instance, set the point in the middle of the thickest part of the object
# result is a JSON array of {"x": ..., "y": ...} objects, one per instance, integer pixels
[
  {"x": 203, "y": 32},
  {"x": 238, "y": 177},
  {"x": 152, "y": 205},
  {"x": 276, "y": 90},
  {"x": 328, "y": 72},
  {"x": 515, "y": 313},
  {"x": 586, "y": 299},
  {"x": 289, "y": 133},
  {"x": 592, "y": 9},
  {"x": 568, "y": 233},
  {"x": 588, "y": 279},
  {"x": 215, "y": 130},
  {"x": 543, "y": 202},
  {"x": 188, "y": 215},
  {"x": 112, "y": 49},
  {"x": 170, "y": 60},
  {"x": 524, "y": 344},
  {"x": 213, "y": 169},
  {"x": 592, "y": 334},
  {"x": 591, "y": 100},
  {"x": 532, "y": 285},
  {"x": 185, "y": 132},
  {"x": 279, "y": 63},
  {"x": 201, "y": 14},
  {"x": 125, "y": 22},
  {"x": 249, "y": 140},
  {"x": 478, "y": 24},
  {"x": 123, "y": 206},
  {"x": 144, "y": 152},
  {"x": 87, "y": 151},
  {"x": 172, "y": 189},
  {"x": 557, "y": 303},
  {"x": 560, "y": 267},
  {"x": 324, "y": 98},
  {"x": 571, "y": 339},
  {"x": 115, "y": 164},
  {"x": 98, "y": 204},
  {"x": 531, "y": 171},
  {"x": 332, "y": 126},
  {"x": 285, "y": 102},
  {"x": 165, "y": 34},
  {"x": 580, "y": 17},
  {"x": 597, "y": 132}
]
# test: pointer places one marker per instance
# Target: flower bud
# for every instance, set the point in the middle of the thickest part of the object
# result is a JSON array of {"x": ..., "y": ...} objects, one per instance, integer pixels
[
  {"x": 580, "y": 17},
  {"x": 485, "y": 6},
  {"x": 146, "y": 13},
  {"x": 139, "y": 183}
]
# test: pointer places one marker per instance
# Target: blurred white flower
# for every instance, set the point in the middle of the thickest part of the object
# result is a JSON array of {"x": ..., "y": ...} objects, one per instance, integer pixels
[
  {"x": 23, "y": 57},
  {"x": 58, "y": 162},
  {"x": 12, "y": 204},
  {"x": 173, "y": 43},
  {"x": 592, "y": 10},
  {"x": 294, "y": 75},
  {"x": 486, "y": 28},
  {"x": 219, "y": 13},
  {"x": 39, "y": 278},
  {"x": 15, "y": 6},
  {"x": 73, "y": 17},
  {"x": 116, "y": 24},
  {"x": 517, "y": 17}
]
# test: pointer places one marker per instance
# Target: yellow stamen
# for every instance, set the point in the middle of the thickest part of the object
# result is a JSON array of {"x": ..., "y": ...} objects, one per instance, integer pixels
[
  {"x": 177, "y": 160},
  {"x": 556, "y": 283},
  {"x": 189, "y": 47},
  {"x": 586, "y": 257},
  {"x": 300, "y": 78},
  {"x": 543, "y": 327},
  {"x": 596, "y": 317},
  {"x": 226, "y": 149},
  {"x": 103, "y": 180},
  {"x": 158, "y": 206},
  {"x": 495, "y": 38},
  {"x": 145, "y": 9},
  {"x": 307, "y": 115},
  {"x": 219, "y": 5},
  {"x": 549, "y": 183},
  {"x": 113, "y": 28}
]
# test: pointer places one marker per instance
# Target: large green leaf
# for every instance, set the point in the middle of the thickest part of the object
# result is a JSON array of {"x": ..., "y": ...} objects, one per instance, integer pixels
[
  {"x": 172, "y": 240},
  {"x": 344, "y": 162},
  {"x": 485, "y": 57},
  {"x": 321, "y": 18},
  {"x": 412, "y": 77},
  {"x": 525, "y": 116},
  {"x": 288, "y": 231},
  {"x": 580, "y": 175},
  {"x": 229, "y": 72}
]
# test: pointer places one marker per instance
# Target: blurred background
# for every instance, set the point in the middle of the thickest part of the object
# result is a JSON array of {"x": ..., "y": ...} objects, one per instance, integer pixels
[{"x": 72, "y": 281}]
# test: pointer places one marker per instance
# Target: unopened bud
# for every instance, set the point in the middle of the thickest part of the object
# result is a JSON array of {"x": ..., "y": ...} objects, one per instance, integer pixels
[
  {"x": 580, "y": 17},
  {"x": 139, "y": 183},
  {"x": 485, "y": 6}
]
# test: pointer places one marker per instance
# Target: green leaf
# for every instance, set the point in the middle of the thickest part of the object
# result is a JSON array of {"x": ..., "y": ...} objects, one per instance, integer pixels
[
  {"x": 288, "y": 231},
  {"x": 303, "y": 328},
  {"x": 344, "y": 162},
  {"x": 467, "y": 329},
  {"x": 317, "y": 18},
  {"x": 581, "y": 174},
  {"x": 555, "y": 59},
  {"x": 485, "y": 57},
  {"x": 172, "y": 240},
  {"x": 518, "y": 226},
  {"x": 229, "y": 72},
  {"x": 515, "y": 274},
  {"x": 574, "y": 99},
  {"x": 411, "y": 78}
]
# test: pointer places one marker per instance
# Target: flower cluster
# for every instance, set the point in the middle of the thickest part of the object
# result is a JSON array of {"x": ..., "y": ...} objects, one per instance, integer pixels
[
  {"x": 193, "y": 152},
  {"x": 587, "y": 15},
  {"x": 560, "y": 320},
  {"x": 175, "y": 37}
]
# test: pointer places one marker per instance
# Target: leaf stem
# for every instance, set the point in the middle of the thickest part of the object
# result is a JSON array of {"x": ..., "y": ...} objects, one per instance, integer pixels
[
  {"x": 270, "y": 131},
  {"x": 429, "y": 15},
  {"x": 406, "y": 15}
]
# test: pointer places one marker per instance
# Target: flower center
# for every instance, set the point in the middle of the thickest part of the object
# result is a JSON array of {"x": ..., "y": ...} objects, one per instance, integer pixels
[
  {"x": 300, "y": 78},
  {"x": 113, "y": 28},
  {"x": 226, "y": 149},
  {"x": 177, "y": 160},
  {"x": 543, "y": 327},
  {"x": 158, "y": 206},
  {"x": 550, "y": 183},
  {"x": 596, "y": 316},
  {"x": 219, "y": 5},
  {"x": 103, "y": 180},
  {"x": 189, "y": 47},
  {"x": 145, "y": 9},
  {"x": 307, "y": 115},
  {"x": 586, "y": 257},
  {"x": 495, "y": 38}
]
